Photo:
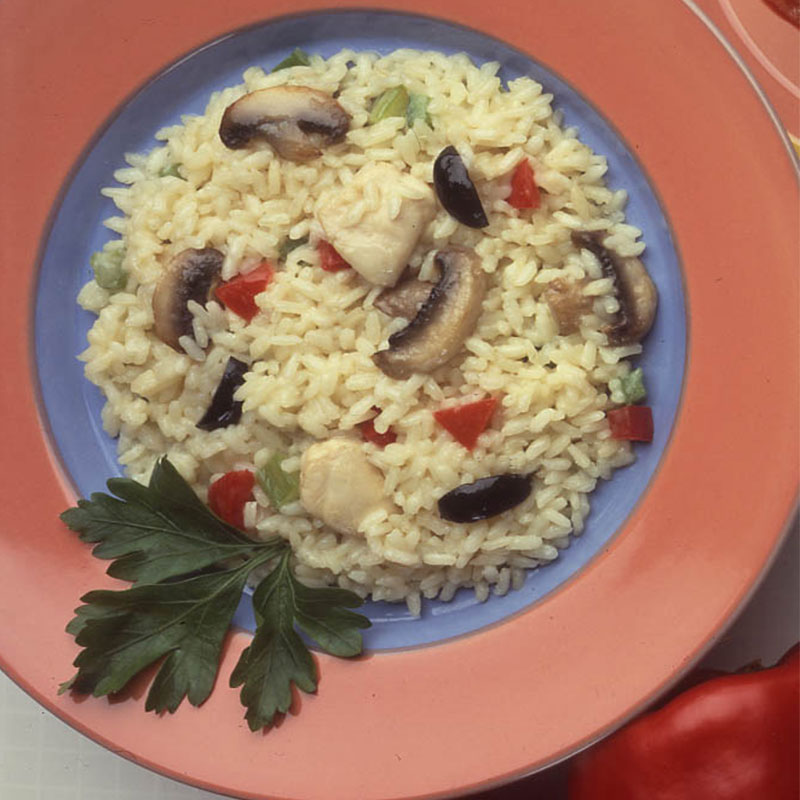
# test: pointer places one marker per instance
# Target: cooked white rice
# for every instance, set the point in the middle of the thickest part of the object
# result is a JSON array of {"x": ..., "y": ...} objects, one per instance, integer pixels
[{"x": 312, "y": 375}]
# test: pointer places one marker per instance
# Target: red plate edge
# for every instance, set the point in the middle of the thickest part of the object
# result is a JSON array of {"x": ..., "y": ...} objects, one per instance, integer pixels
[{"x": 581, "y": 662}]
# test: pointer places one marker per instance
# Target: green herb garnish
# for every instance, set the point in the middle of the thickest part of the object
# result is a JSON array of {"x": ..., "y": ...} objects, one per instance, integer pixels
[
  {"x": 107, "y": 266},
  {"x": 277, "y": 657},
  {"x": 632, "y": 386},
  {"x": 171, "y": 171},
  {"x": 156, "y": 532},
  {"x": 391, "y": 103},
  {"x": 418, "y": 109},
  {"x": 297, "y": 58},
  {"x": 288, "y": 244},
  {"x": 165, "y": 540},
  {"x": 280, "y": 486}
]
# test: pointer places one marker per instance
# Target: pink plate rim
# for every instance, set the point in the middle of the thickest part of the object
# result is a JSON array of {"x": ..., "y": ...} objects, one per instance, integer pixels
[{"x": 397, "y": 725}]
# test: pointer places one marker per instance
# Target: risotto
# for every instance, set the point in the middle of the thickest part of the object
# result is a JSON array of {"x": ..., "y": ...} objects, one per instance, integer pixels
[{"x": 394, "y": 292}]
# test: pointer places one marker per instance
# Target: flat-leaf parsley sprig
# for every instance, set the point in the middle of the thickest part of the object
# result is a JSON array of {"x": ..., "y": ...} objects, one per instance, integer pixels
[{"x": 189, "y": 569}]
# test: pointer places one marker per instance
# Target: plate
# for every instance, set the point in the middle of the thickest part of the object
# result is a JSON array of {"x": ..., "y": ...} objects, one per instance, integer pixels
[
  {"x": 574, "y": 660},
  {"x": 73, "y": 406},
  {"x": 771, "y": 44}
]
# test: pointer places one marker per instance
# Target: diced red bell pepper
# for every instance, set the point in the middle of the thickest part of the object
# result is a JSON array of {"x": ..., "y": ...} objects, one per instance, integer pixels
[
  {"x": 369, "y": 434},
  {"x": 228, "y": 495},
  {"x": 524, "y": 191},
  {"x": 631, "y": 422},
  {"x": 468, "y": 421},
  {"x": 329, "y": 259},
  {"x": 239, "y": 294}
]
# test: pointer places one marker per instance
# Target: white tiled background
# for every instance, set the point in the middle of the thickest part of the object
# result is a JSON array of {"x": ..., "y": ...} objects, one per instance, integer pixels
[{"x": 41, "y": 758}]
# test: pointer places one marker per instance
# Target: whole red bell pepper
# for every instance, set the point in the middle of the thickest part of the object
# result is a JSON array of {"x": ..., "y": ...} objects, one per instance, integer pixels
[{"x": 732, "y": 737}]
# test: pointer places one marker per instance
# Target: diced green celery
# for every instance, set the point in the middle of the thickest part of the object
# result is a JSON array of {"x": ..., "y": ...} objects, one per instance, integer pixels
[
  {"x": 171, "y": 171},
  {"x": 392, "y": 103},
  {"x": 633, "y": 386},
  {"x": 297, "y": 58},
  {"x": 287, "y": 245},
  {"x": 107, "y": 266},
  {"x": 280, "y": 486},
  {"x": 418, "y": 109}
]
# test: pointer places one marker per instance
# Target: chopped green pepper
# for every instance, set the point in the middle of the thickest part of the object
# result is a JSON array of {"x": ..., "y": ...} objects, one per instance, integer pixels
[
  {"x": 280, "y": 486},
  {"x": 289, "y": 244},
  {"x": 418, "y": 109},
  {"x": 171, "y": 171},
  {"x": 632, "y": 386},
  {"x": 107, "y": 266},
  {"x": 391, "y": 103},
  {"x": 297, "y": 58}
]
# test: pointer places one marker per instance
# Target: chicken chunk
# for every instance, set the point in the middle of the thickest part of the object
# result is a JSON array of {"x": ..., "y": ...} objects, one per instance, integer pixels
[
  {"x": 339, "y": 486},
  {"x": 378, "y": 242}
]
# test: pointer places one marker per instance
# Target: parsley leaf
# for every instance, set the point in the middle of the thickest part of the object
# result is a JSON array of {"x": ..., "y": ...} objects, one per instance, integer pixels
[
  {"x": 162, "y": 538},
  {"x": 157, "y": 531},
  {"x": 122, "y": 633},
  {"x": 278, "y": 657}
]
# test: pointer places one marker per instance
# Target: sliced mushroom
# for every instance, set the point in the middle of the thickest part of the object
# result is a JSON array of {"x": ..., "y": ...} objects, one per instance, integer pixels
[
  {"x": 297, "y": 121},
  {"x": 446, "y": 318},
  {"x": 567, "y": 304},
  {"x": 405, "y": 299},
  {"x": 378, "y": 242},
  {"x": 636, "y": 292},
  {"x": 190, "y": 276},
  {"x": 340, "y": 486}
]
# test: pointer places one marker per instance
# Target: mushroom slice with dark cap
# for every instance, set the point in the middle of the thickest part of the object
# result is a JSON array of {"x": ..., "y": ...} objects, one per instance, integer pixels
[
  {"x": 444, "y": 321},
  {"x": 297, "y": 121},
  {"x": 636, "y": 292},
  {"x": 190, "y": 276},
  {"x": 405, "y": 299},
  {"x": 567, "y": 304}
]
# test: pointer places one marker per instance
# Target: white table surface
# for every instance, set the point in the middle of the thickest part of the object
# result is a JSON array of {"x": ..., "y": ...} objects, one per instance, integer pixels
[{"x": 42, "y": 758}]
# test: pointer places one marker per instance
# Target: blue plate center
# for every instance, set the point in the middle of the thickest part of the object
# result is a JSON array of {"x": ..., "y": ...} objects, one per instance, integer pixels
[{"x": 73, "y": 405}]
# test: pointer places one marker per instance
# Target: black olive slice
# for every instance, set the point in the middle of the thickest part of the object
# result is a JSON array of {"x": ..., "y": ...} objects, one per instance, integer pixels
[
  {"x": 456, "y": 191},
  {"x": 485, "y": 498},
  {"x": 224, "y": 410}
]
